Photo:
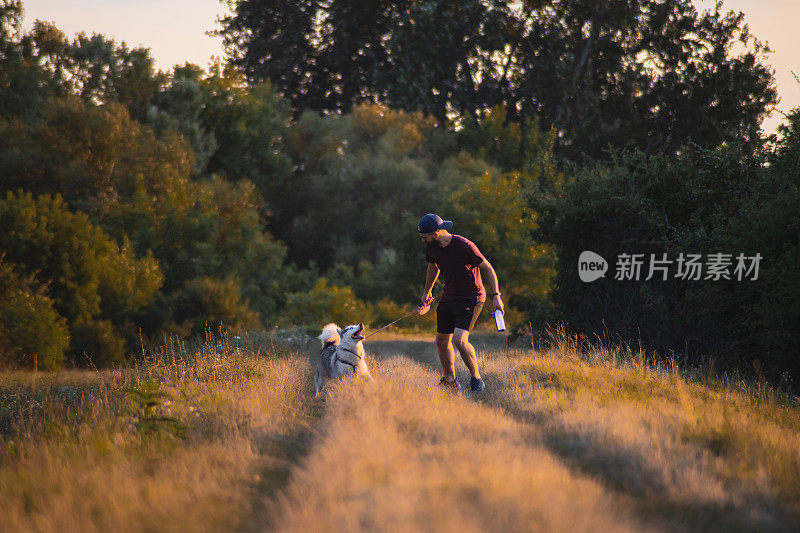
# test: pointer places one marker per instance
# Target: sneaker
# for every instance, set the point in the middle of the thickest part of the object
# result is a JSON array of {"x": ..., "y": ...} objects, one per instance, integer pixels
[
  {"x": 454, "y": 385},
  {"x": 476, "y": 385}
]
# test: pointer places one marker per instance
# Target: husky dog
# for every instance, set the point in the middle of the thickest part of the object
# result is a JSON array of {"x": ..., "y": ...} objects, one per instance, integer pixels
[{"x": 342, "y": 354}]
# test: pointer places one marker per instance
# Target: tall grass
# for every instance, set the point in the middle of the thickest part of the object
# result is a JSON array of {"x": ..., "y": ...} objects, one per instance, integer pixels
[
  {"x": 177, "y": 443},
  {"x": 708, "y": 451},
  {"x": 403, "y": 455},
  {"x": 574, "y": 436}
]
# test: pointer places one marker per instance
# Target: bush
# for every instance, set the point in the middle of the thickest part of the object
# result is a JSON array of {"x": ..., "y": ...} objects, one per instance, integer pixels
[
  {"x": 386, "y": 311},
  {"x": 89, "y": 277},
  {"x": 96, "y": 344},
  {"x": 704, "y": 202},
  {"x": 32, "y": 333},
  {"x": 208, "y": 303},
  {"x": 326, "y": 303}
]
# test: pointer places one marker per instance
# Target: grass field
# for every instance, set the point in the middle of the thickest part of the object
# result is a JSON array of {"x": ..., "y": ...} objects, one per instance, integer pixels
[{"x": 227, "y": 436}]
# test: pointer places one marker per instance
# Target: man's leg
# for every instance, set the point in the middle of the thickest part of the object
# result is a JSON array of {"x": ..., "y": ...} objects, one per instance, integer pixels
[
  {"x": 467, "y": 351},
  {"x": 445, "y": 322},
  {"x": 447, "y": 355}
]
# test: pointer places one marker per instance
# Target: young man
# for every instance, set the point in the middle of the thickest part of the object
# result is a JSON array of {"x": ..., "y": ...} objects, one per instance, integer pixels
[{"x": 461, "y": 264}]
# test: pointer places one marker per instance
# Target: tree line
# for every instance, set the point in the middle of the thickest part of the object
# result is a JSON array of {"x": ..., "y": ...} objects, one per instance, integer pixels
[{"x": 285, "y": 184}]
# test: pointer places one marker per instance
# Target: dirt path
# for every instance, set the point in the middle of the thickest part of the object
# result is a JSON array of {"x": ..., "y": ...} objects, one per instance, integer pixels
[{"x": 403, "y": 455}]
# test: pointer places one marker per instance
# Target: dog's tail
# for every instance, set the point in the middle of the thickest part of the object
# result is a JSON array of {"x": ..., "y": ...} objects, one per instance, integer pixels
[{"x": 330, "y": 334}]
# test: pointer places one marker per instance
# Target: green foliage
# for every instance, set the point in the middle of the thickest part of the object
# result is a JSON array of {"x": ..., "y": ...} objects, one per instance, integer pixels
[
  {"x": 361, "y": 182},
  {"x": 385, "y": 311},
  {"x": 704, "y": 202},
  {"x": 150, "y": 409},
  {"x": 248, "y": 123},
  {"x": 137, "y": 187},
  {"x": 97, "y": 343},
  {"x": 23, "y": 83},
  {"x": 178, "y": 107},
  {"x": 96, "y": 158},
  {"x": 208, "y": 303},
  {"x": 326, "y": 303},
  {"x": 43, "y": 64},
  {"x": 651, "y": 74},
  {"x": 491, "y": 208},
  {"x": 90, "y": 277},
  {"x": 32, "y": 333},
  {"x": 511, "y": 146},
  {"x": 234, "y": 130},
  {"x": 633, "y": 205},
  {"x": 766, "y": 318}
]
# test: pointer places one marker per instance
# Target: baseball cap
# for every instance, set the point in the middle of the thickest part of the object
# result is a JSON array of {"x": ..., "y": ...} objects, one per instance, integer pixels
[{"x": 431, "y": 222}]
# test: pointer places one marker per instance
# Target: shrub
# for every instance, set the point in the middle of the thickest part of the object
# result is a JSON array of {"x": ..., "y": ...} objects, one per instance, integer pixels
[
  {"x": 326, "y": 303},
  {"x": 88, "y": 276},
  {"x": 96, "y": 343},
  {"x": 209, "y": 302},
  {"x": 32, "y": 333},
  {"x": 385, "y": 311}
]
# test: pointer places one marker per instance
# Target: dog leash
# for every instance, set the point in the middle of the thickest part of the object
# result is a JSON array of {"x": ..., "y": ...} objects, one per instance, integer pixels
[{"x": 398, "y": 320}]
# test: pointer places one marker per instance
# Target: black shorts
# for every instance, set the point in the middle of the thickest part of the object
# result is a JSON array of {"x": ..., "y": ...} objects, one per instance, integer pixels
[{"x": 460, "y": 314}]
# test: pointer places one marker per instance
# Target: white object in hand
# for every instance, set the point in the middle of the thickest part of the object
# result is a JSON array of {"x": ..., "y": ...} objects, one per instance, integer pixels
[{"x": 498, "y": 320}]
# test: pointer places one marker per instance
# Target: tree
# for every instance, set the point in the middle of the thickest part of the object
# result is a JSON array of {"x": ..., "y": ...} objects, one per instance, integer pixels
[
  {"x": 178, "y": 108},
  {"x": 205, "y": 304},
  {"x": 91, "y": 280},
  {"x": 651, "y": 74},
  {"x": 32, "y": 333},
  {"x": 731, "y": 200},
  {"x": 138, "y": 189},
  {"x": 95, "y": 157},
  {"x": 330, "y": 56},
  {"x": 23, "y": 84},
  {"x": 491, "y": 208},
  {"x": 632, "y": 205},
  {"x": 44, "y": 63},
  {"x": 360, "y": 183},
  {"x": 249, "y": 125}
]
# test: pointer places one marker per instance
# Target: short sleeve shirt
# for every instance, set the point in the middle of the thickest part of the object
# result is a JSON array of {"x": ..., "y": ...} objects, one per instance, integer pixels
[{"x": 458, "y": 263}]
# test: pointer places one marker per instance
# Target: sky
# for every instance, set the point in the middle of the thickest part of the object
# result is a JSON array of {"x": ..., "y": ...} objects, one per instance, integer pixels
[{"x": 176, "y": 31}]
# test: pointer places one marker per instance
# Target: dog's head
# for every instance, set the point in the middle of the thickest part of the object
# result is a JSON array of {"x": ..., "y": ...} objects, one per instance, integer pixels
[{"x": 351, "y": 337}]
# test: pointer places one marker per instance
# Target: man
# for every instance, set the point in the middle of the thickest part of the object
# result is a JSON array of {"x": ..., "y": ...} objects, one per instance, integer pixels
[{"x": 461, "y": 265}]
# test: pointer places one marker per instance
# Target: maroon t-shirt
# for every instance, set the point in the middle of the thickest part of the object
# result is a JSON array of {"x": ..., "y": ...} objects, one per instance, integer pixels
[{"x": 458, "y": 263}]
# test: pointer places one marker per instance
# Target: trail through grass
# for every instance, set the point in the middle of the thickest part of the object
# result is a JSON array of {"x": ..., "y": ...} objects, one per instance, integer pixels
[
  {"x": 686, "y": 455},
  {"x": 227, "y": 439},
  {"x": 405, "y": 456}
]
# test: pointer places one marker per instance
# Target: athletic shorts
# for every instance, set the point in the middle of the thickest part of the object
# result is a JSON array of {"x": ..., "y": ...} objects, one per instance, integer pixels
[{"x": 460, "y": 314}]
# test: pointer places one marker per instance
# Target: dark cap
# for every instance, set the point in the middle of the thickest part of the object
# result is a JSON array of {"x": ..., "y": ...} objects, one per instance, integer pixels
[{"x": 431, "y": 222}]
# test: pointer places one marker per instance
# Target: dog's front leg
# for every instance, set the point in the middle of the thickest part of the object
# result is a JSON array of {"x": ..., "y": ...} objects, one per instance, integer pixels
[{"x": 365, "y": 372}]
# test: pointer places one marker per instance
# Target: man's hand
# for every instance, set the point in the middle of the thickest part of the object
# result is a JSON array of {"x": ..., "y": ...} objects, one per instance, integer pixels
[
  {"x": 425, "y": 303},
  {"x": 498, "y": 304}
]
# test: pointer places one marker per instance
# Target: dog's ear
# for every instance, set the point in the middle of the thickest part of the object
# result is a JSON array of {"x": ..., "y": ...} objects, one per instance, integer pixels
[{"x": 341, "y": 332}]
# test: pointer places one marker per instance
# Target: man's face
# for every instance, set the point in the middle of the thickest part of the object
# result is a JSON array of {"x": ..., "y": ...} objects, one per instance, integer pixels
[{"x": 429, "y": 238}]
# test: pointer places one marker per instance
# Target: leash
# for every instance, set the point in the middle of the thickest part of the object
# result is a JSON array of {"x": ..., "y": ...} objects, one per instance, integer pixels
[{"x": 398, "y": 320}]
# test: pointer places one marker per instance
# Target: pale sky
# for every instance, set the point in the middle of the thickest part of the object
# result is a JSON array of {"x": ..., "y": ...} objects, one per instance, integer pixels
[{"x": 175, "y": 31}]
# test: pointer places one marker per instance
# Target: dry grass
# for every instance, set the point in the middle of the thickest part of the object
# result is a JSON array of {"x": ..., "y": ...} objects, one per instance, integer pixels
[
  {"x": 79, "y": 453},
  {"x": 718, "y": 457},
  {"x": 572, "y": 438},
  {"x": 406, "y": 456}
]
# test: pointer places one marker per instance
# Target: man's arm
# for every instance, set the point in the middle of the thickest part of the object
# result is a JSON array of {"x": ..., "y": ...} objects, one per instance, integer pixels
[
  {"x": 494, "y": 288},
  {"x": 430, "y": 278}
]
